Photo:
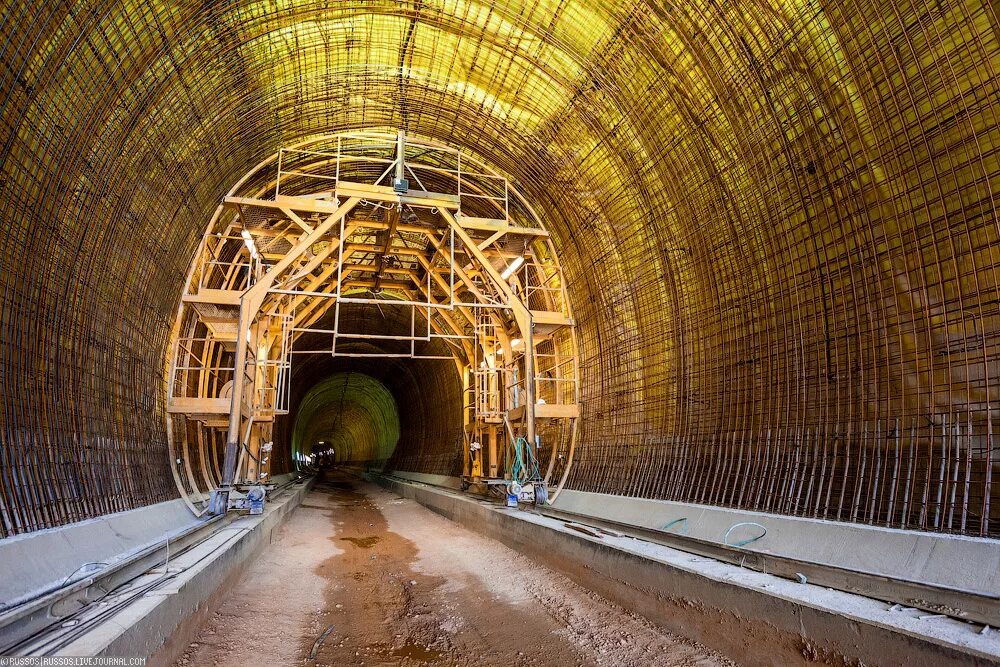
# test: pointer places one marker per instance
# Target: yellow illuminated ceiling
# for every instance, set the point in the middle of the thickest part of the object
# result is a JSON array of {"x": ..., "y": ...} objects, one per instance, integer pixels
[{"x": 775, "y": 217}]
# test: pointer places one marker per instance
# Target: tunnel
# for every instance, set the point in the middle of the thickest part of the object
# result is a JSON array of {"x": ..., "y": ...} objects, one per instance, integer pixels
[
  {"x": 682, "y": 311},
  {"x": 352, "y": 415},
  {"x": 409, "y": 411}
]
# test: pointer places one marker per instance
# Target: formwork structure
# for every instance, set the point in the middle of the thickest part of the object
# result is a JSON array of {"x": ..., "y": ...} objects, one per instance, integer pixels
[
  {"x": 777, "y": 223},
  {"x": 364, "y": 218}
]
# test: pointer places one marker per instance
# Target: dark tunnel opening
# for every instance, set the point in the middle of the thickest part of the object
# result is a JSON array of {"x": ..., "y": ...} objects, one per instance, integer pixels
[
  {"x": 347, "y": 397},
  {"x": 347, "y": 418}
]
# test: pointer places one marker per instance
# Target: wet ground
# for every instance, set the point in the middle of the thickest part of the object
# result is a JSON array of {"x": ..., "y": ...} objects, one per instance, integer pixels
[{"x": 359, "y": 576}]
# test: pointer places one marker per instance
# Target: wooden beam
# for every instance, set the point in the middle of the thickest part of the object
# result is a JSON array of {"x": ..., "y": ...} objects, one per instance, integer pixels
[
  {"x": 219, "y": 297},
  {"x": 297, "y": 220},
  {"x": 547, "y": 411},
  {"x": 250, "y": 304},
  {"x": 521, "y": 315},
  {"x": 498, "y": 225},
  {"x": 198, "y": 406},
  {"x": 294, "y": 203},
  {"x": 385, "y": 193},
  {"x": 394, "y": 219}
]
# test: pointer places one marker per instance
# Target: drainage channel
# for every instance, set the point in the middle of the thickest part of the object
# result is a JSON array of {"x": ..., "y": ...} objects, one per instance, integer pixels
[{"x": 963, "y": 605}]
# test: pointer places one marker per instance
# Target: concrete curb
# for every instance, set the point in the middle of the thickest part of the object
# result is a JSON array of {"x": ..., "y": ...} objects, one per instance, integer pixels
[
  {"x": 756, "y": 619},
  {"x": 104, "y": 539},
  {"x": 946, "y": 560},
  {"x": 161, "y": 623}
]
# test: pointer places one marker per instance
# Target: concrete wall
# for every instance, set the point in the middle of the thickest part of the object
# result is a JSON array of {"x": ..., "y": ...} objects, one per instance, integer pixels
[
  {"x": 755, "y": 618},
  {"x": 953, "y": 561},
  {"x": 39, "y": 561},
  {"x": 446, "y": 481},
  {"x": 159, "y": 611}
]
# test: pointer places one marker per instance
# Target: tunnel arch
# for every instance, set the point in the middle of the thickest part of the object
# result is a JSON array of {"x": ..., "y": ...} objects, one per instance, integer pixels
[
  {"x": 778, "y": 225},
  {"x": 352, "y": 415}
]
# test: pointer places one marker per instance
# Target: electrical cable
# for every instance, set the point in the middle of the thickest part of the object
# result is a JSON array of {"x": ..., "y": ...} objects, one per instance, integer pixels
[
  {"x": 77, "y": 631},
  {"x": 522, "y": 462}
]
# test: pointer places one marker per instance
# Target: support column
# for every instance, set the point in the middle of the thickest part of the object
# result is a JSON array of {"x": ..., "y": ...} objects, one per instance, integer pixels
[
  {"x": 493, "y": 469},
  {"x": 250, "y": 303}
]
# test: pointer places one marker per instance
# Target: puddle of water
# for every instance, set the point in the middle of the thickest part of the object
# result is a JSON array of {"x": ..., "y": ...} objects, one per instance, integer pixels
[
  {"x": 417, "y": 652},
  {"x": 363, "y": 542}
]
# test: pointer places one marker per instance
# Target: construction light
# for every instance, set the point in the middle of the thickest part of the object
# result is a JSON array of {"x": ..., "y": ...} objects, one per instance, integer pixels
[
  {"x": 514, "y": 266},
  {"x": 251, "y": 246},
  {"x": 514, "y": 342}
]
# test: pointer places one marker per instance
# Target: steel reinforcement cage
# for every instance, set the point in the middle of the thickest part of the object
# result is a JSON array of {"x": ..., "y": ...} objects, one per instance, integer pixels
[{"x": 777, "y": 221}]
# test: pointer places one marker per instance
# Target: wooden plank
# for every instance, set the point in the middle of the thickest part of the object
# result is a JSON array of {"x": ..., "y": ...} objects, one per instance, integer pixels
[
  {"x": 294, "y": 203},
  {"x": 386, "y": 193},
  {"x": 497, "y": 225},
  {"x": 547, "y": 411},
  {"x": 586, "y": 530},
  {"x": 199, "y": 406},
  {"x": 548, "y": 321},
  {"x": 556, "y": 410},
  {"x": 219, "y": 297},
  {"x": 214, "y": 422}
]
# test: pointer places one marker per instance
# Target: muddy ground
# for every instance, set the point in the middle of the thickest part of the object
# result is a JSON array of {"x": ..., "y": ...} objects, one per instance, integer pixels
[{"x": 359, "y": 576}]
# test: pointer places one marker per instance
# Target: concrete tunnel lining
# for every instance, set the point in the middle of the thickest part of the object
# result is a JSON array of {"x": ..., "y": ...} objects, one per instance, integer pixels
[{"x": 350, "y": 415}]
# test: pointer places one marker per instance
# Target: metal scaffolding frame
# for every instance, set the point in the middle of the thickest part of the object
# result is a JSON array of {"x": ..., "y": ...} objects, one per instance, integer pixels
[{"x": 280, "y": 255}]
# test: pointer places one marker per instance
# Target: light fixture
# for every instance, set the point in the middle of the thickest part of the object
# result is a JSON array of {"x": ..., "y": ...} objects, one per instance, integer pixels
[
  {"x": 514, "y": 342},
  {"x": 514, "y": 266},
  {"x": 251, "y": 246}
]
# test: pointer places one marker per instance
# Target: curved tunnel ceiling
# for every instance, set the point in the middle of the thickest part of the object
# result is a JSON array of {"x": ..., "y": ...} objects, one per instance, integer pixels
[
  {"x": 777, "y": 221},
  {"x": 352, "y": 416}
]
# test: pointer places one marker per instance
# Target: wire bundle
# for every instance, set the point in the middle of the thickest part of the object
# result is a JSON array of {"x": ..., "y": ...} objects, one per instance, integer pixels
[{"x": 522, "y": 462}]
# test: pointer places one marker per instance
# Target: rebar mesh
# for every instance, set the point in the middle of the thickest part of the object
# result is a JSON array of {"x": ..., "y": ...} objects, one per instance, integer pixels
[{"x": 777, "y": 222}]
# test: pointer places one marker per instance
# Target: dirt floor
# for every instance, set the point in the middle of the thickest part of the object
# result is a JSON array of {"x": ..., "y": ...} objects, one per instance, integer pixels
[{"x": 359, "y": 576}]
